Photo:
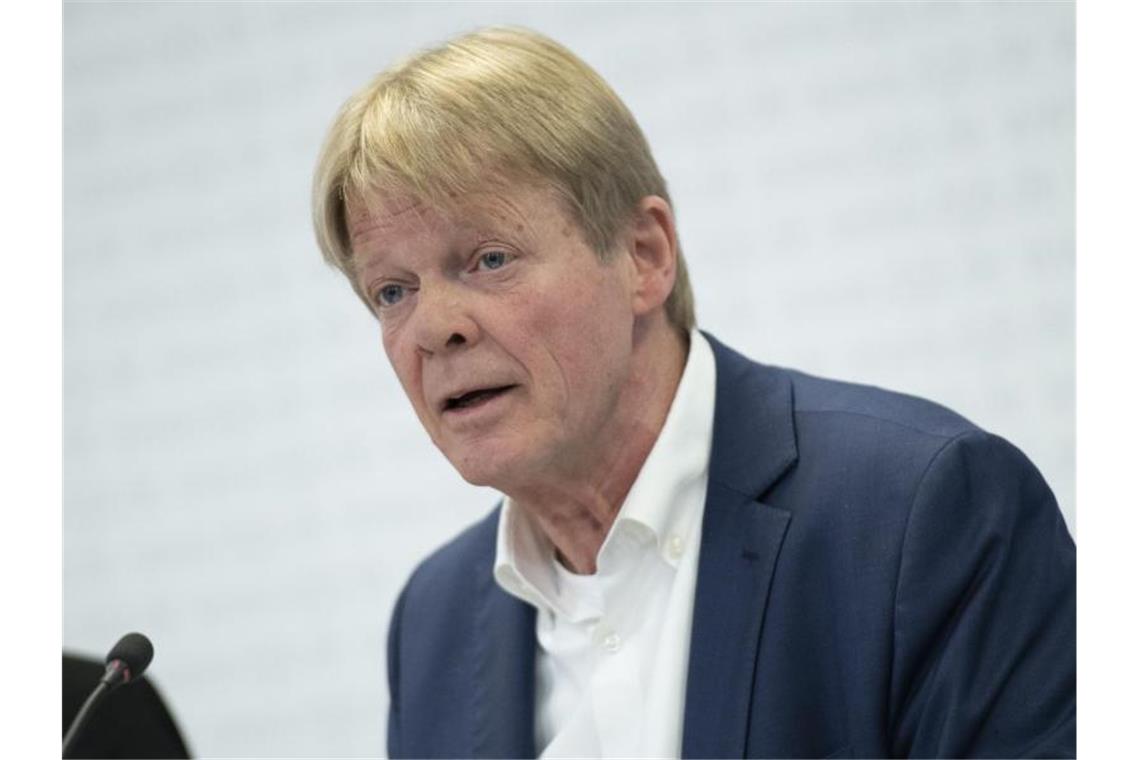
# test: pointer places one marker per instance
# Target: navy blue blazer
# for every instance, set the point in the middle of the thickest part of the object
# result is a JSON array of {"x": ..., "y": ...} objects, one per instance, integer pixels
[{"x": 878, "y": 577}]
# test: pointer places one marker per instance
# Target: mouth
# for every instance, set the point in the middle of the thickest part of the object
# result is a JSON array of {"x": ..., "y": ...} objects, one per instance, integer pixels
[{"x": 475, "y": 398}]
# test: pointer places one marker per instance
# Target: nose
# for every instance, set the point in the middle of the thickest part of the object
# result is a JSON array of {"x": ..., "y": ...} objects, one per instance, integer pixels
[{"x": 443, "y": 319}]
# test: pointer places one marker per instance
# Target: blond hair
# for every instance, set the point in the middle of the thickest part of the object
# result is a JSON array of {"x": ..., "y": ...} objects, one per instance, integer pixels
[{"x": 499, "y": 102}]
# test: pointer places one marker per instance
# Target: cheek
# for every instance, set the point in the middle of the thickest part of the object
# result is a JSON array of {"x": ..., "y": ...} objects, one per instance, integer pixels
[
  {"x": 585, "y": 336},
  {"x": 406, "y": 367},
  {"x": 583, "y": 303},
  {"x": 390, "y": 347}
]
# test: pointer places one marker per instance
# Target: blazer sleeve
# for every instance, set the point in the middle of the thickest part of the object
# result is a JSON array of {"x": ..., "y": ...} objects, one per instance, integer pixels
[{"x": 984, "y": 660}]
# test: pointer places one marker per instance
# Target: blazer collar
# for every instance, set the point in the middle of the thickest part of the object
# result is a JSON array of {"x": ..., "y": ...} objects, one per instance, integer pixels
[
  {"x": 754, "y": 444},
  {"x": 754, "y": 434},
  {"x": 503, "y": 660}
]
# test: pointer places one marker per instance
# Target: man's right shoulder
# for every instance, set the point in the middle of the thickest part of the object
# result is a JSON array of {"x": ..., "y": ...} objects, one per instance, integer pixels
[{"x": 450, "y": 569}]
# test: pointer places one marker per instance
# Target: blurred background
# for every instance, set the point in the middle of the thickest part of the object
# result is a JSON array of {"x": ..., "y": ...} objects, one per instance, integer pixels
[{"x": 875, "y": 192}]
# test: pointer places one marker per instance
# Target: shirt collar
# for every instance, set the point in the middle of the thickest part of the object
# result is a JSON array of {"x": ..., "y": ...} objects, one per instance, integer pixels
[{"x": 652, "y": 512}]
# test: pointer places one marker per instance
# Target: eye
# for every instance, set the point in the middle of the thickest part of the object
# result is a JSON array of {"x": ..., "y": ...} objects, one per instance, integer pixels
[
  {"x": 390, "y": 294},
  {"x": 493, "y": 260}
]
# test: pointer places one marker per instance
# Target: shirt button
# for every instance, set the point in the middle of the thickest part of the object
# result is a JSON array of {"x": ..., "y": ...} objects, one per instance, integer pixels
[
  {"x": 611, "y": 643},
  {"x": 675, "y": 547},
  {"x": 605, "y": 638}
]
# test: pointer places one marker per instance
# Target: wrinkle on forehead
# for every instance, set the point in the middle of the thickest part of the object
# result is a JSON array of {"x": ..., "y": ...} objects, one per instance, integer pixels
[
  {"x": 503, "y": 206},
  {"x": 490, "y": 213},
  {"x": 374, "y": 217}
]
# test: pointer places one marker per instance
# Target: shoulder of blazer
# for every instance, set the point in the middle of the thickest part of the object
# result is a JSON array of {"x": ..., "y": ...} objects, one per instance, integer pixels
[
  {"x": 812, "y": 395},
  {"x": 446, "y": 572}
]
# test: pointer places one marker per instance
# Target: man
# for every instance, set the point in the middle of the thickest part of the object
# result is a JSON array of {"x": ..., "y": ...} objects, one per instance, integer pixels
[{"x": 696, "y": 555}]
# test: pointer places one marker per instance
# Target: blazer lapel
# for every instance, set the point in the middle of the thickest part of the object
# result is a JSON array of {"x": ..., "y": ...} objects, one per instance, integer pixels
[
  {"x": 753, "y": 446},
  {"x": 502, "y": 684}
]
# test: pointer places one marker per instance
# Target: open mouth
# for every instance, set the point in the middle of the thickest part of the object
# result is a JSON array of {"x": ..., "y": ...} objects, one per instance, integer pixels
[{"x": 475, "y": 398}]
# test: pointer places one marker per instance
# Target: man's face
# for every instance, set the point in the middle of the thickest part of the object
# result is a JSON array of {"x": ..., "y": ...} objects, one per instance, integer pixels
[{"x": 510, "y": 337}]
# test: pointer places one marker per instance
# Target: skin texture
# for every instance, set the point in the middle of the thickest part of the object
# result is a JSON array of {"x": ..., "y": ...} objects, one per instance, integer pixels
[{"x": 501, "y": 291}]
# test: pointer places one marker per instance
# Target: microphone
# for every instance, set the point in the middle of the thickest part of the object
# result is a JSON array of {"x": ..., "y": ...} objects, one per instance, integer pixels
[{"x": 126, "y": 661}]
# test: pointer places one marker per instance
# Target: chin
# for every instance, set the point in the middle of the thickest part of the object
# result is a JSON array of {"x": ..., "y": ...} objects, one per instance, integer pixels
[
  {"x": 483, "y": 477},
  {"x": 495, "y": 464},
  {"x": 479, "y": 468}
]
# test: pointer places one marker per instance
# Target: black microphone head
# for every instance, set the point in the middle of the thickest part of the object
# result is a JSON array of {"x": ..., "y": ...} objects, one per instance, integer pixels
[{"x": 135, "y": 651}]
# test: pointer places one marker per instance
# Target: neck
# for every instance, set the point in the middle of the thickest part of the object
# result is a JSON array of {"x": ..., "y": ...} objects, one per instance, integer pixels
[{"x": 576, "y": 507}]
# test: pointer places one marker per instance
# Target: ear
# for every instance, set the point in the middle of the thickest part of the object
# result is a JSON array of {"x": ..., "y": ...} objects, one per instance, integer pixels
[{"x": 652, "y": 248}]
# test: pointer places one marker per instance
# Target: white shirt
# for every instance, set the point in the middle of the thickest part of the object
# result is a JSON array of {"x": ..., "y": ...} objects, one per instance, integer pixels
[{"x": 613, "y": 647}]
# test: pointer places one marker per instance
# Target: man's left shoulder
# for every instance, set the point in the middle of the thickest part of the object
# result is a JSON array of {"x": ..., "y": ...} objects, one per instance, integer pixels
[
  {"x": 856, "y": 406},
  {"x": 839, "y": 404},
  {"x": 865, "y": 448},
  {"x": 878, "y": 428}
]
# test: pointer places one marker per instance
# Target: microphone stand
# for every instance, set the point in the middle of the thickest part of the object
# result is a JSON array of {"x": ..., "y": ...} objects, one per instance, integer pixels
[
  {"x": 101, "y": 691},
  {"x": 117, "y": 673}
]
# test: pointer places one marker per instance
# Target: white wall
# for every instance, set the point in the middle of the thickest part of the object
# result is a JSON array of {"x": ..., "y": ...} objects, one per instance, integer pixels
[{"x": 881, "y": 193}]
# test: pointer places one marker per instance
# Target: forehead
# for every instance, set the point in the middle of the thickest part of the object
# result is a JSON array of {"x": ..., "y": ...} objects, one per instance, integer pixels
[{"x": 515, "y": 211}]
